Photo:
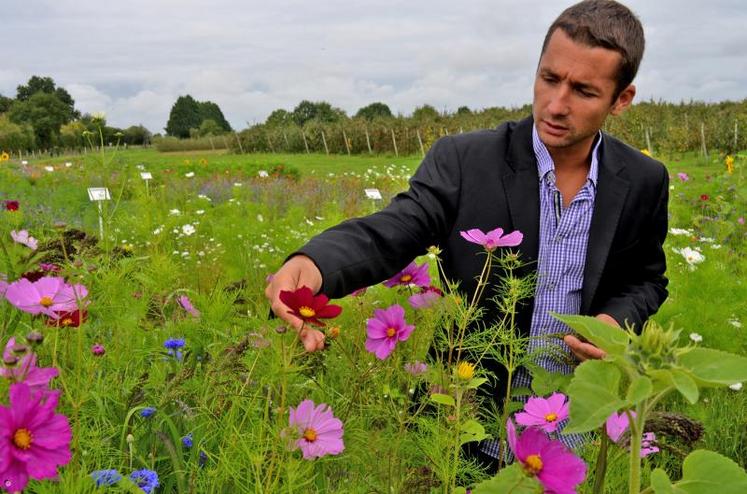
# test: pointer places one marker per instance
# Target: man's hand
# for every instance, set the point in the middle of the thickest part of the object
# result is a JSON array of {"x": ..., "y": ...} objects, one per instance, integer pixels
[
  {"x": 584, "y": 350},
  {"x": 296, "y": 272}
]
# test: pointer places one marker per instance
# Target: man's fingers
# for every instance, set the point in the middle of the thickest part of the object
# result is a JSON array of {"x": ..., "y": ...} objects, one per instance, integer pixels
[
  {"x": 313, "y": 339},
  {"x": 583, "y": 351}
]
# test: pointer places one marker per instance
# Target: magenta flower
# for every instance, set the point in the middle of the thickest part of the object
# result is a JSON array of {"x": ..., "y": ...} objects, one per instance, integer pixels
[
  {"x": 22, "y": 237},
  {"x": 187, "y": 305},
  {"x": 493, "y": 239},
  {"x": 26, "y": 371},
  {"x": 47, "y": 295},
  {"x": 320, "y": 431},
  {"x": 34, "y": 440},
  {"x": 616, "y": 426},
  {"x": 426, "y": 298},
  {"x": 684, "y": 177},
  {"x": 545, "y": 413},
  {"x": 359, "y": 292},
  {"x": 740, "y": 220},
  {"x": 98, "y": 350},
  {"x": 416, "y": 368},
  {"x": 411, "y": 275},
  {"x": 558, "y": 470},
  {"x": 385, "y": 329}
]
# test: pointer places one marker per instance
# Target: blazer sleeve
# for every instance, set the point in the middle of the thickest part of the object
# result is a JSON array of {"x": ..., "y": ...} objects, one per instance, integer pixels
[
  {"x": 363, "y": 251},
  {"x": 644, "y": 289}
]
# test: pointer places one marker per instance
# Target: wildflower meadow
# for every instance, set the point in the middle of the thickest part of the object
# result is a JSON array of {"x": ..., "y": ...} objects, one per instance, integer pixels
[{"x": 139, "y": 355}]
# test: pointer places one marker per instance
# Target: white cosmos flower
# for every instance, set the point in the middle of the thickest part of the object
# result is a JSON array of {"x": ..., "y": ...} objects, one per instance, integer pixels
[
  {"x": 200, "y": 211},
  {"x": 263, "y": 174},
  {"x": 174, "y": 212},
  {"x": 49, "y": 168},
  {"x": 736, "y": 386},
  {"x": 680, "y": 231},
  {"x": 692, "y": 256},
  {"x": 696, "y": 337},
  {"x": 188, "y": 229},
  {"x": 189, "y": 174},
  {"x": 735, "y": 322}
]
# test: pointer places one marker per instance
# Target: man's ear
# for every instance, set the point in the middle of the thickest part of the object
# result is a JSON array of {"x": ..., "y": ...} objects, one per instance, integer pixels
[{"x": 624, "y": 99}]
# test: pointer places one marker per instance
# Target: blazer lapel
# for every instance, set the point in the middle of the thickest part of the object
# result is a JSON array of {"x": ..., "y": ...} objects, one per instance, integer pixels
[
  {"x": 521, "y": 185},
  {"x": 612, "y": 190}
]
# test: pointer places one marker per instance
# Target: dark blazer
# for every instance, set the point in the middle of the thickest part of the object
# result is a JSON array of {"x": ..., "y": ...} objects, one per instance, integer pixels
[{"x": 488, "y": 179}]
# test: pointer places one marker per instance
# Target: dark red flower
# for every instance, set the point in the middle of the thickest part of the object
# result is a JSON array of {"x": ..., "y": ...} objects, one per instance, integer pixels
[
  {"x": 71, "y": 319},
  {"x": 704, "y": 197},
  {"x": 33, "y": 276},
  {"x": 12, "y": 205},
  {"x": 309, "y": 307}
]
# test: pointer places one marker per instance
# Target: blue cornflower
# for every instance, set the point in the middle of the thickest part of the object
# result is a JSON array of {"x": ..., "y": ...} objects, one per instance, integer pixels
[
  {"x": 174, "y": 343},
  {"x": 187, "y": 441},
  {"x": 202, "y": 459},
  {"x": 105, "y": 477},
  {"x": 147, "y": 480},
  {"x": 147, "y": 412}
]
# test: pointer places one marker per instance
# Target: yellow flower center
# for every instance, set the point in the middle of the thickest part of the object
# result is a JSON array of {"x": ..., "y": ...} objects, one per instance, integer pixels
[
  {"x": 405, "y": 278},
  {"x": 551, "y": 417},
  {"x": 67, "y": 322},
  {"x": 307, "y": 311},
  {"x": 23, "y": 439},
  {"x": 533, "y": 464},
  {"x": 46, "y": 301},
  {"x": 390, "y": 332},
  {"x": 465, "y": 371},
  {"x": 310, "y": 435}
]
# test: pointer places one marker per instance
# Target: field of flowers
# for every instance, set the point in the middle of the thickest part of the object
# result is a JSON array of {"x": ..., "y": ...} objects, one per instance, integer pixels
[{"x": 139, "y": 356}]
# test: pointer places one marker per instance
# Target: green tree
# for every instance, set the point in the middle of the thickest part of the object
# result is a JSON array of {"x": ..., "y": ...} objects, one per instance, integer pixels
[
  {"x": 46, "y": 85},
  {"x": 320, "y": 111},
  {"x": 184, "y": 115},
  {"x": 5, "y": 103},
  {"x": 210, "y": 127},
  {"x": 136, "y": 135},
  {"x": 45, "y": 113},
  {"x": 71, "y": 135},
  {"x": 211, "y": 111},
  {"x": 14, "y": 137},
  {"x": 425, "y": 112},
  {"x": 464, "y": 110},
  {"x": 279, "y": 118},
  {"x": 374, "y": 110}
]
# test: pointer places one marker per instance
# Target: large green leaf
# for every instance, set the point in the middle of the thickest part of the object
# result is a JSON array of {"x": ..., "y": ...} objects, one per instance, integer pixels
[
  {"x": 612, "y": 340},
  {"x": 443, "y": 399},
  {"x": 594, "y": 393},
  {"x": 713, "y": 367},
  {"x": 640, "y": 388},
  {"x": 660, "y": 482},
  {"x": 545, "y": 382},
  {"x": 510, "y": 480},
  {"x": 706, "y": 472},
  {"x": 472, "y": 430},
  {"x": 685, "y": 385}
]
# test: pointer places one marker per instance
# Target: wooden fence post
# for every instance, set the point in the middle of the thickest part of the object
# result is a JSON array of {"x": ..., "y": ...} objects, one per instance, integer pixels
[
  {"x": 648, "y": 142},
  {"x": 241, "y": 148},
  {"x": 394, "y": 141},
  {"x": 420, "y": 141},
  {"x": 287, "y": 145},
  {"x": 368, "y": 142},
  {"x": 703, "y": 148},
  {"x": 345, "y": 137},
  {"x": 305, "y": 144},
  {"x": 324, "y": 140},
  {"x": 736, "y": 137}
]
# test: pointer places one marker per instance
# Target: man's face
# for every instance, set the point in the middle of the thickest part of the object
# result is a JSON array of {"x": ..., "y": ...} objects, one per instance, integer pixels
[{"x": 573, "y": 91}]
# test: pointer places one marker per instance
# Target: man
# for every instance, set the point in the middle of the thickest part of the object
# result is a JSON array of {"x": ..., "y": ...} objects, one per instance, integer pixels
[{"x": 593, "y": 210}]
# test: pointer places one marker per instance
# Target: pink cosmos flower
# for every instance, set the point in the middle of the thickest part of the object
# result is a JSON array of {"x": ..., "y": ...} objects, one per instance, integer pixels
[
  {"x": 23, "y": 237},
  {"x": 558, "y": 470},
  {"x": 34, "y": 440},
  {"x": 47, "y": 295},
  {"x": 545, "y": 413},
  {"x": 26, "y": 371},
  {"x": 187, "y": 305},
  {"x": 426, "y": 298},
  {"x": 617, "y": 424},
  {"x": 385, "y": 329},
  {"x": 684, "y": 177},
  {"x": 493, "y": 239},
  {"x": 740, "y": 220},
  {"x": 320, "y": 431},
  {"x": 411, "y": 275}
]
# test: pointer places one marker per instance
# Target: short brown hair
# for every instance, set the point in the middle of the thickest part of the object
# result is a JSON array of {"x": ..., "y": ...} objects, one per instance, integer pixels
[{"x": 607, "y": 24}]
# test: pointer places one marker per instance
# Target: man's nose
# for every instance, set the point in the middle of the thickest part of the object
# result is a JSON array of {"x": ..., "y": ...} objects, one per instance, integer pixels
[{"x": 559, "y": 101}]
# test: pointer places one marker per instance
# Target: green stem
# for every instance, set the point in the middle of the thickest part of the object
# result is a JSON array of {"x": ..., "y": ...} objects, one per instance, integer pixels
[
  {"x": 636, "y": 432},
  {"x": 601, "y": 466}
]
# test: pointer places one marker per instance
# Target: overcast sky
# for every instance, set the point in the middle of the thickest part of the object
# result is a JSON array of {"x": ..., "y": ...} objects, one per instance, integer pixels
[{"x": 132, "y": 59}]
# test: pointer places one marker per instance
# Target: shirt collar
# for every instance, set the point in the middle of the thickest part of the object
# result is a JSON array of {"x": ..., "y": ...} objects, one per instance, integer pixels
[{"x": 545, "y": 163}]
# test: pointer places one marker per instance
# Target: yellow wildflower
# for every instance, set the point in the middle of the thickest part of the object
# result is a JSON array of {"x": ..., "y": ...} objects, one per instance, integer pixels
[
  {"x": 465, "y": 371},
  {"x": 729, "y": 161},
  {"x": 4, "y": 157}
]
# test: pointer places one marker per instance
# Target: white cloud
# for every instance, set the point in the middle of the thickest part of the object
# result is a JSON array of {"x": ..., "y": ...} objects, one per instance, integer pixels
[{"x": 133, "y": 59}]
